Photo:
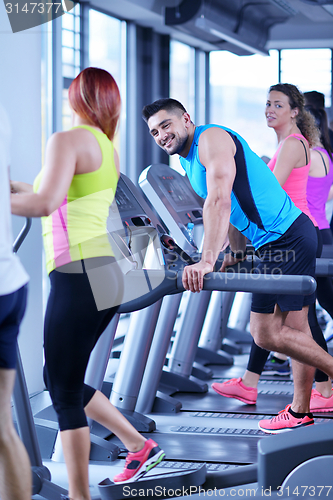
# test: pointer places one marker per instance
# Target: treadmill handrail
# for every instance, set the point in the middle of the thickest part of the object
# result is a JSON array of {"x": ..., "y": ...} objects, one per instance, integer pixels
[
  {"x": 171, "y": 282},
  {"x": 324, "y": 267},
  {"x": 21, "y": 400},
  {"x": 327, "y": 252},
  {"x": 22, "y": 234}
]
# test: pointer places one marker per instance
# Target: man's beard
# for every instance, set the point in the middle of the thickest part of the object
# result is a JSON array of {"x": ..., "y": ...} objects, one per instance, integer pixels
[{"x": 178, "y": 147}]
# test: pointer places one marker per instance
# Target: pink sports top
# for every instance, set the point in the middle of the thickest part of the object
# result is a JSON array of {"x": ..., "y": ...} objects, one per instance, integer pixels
[
  {"x": 296, "y": 184},
  {"x": 317, "y": 191}
]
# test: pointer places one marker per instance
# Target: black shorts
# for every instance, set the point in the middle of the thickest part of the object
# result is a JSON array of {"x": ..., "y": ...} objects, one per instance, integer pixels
[
  {"x": 12, "y": 308},
  {"x": 294, "y": 253}
]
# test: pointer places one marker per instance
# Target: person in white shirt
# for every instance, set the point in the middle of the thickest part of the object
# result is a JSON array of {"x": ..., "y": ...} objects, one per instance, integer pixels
[{"x": 15, "y": 472}]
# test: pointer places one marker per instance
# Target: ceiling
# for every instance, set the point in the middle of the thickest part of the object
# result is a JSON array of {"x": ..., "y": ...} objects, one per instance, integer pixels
[{"x": 240, "y": 26}]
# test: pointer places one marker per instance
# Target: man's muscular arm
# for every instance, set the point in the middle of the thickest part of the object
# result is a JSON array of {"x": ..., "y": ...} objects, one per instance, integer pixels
[{"x": 216, "y": 153}]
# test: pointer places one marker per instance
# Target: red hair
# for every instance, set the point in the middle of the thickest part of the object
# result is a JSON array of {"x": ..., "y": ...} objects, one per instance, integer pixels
[{"x": 94, "y": 96}]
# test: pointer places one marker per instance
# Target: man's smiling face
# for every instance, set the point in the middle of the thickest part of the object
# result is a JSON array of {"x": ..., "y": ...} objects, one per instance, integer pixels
[{"x": 169, "y": 130}]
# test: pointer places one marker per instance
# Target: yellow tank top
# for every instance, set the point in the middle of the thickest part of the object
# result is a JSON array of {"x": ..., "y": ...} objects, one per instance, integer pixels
[{"x": 77, "y": 229}]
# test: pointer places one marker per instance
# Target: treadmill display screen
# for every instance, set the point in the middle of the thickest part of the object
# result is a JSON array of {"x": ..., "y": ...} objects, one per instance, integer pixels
[
  {"x": 126, "y": 203},
  {"x": 177, "y": 192}
]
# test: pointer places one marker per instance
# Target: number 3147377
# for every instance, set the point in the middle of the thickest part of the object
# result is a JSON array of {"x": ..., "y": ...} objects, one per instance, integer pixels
[{"x": 31, "y": 8}]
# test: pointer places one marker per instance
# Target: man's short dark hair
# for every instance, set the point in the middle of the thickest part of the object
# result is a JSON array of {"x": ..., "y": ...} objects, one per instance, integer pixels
[
  {"x": 314, "y": 99},
  {"x": 167, "y": 104}
]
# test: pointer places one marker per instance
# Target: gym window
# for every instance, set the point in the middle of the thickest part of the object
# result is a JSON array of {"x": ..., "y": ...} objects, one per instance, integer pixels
[
  {"x": 238, "y": 87},
  {"x": 107, "y": 50},
  {"x": 71, "y": 57},
  {"x": 309, "y": 69},
  {"x": 182, "y": 82}
]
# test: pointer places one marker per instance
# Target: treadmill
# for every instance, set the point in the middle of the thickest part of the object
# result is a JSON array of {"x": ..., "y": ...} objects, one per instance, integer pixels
[
  {"x": 186, "y": 436},
  {"x": 166, "y": 281},
  {"x": 165, "y": 189},
  {"x": 161, "y": 186}
]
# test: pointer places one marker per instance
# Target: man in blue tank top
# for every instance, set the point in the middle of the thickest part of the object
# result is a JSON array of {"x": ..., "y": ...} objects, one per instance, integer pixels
[{"x": 243, "y": 200}]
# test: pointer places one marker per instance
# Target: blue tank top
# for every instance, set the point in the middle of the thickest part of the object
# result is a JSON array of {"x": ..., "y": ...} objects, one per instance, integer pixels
[{"x": 260, "y": 208}]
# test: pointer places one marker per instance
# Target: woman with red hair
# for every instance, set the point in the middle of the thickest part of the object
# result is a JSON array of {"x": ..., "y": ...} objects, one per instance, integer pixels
[{"x": 72, "y": 194}]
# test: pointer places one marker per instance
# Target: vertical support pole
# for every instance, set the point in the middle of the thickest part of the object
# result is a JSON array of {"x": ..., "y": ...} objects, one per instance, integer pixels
[
  {"x": 279, "y": 65},
  {"x": 200, "y": 87},
  {"x": 151, "y": 82},
  {"x": 57, "y": 75},
  {"x": 131, "y": 101},
  {"x": 84, "y": 36}
]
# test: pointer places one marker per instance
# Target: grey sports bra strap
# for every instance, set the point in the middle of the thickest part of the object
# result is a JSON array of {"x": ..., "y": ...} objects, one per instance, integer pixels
[
  {"x": 322, "y": 160},
  {"x": 306, "y": 154}
]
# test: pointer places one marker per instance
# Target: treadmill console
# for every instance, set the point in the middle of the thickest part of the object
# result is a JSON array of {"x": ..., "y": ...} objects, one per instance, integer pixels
[
  {"x": 137, "y": 236},
  {"x": 176, "y": 192},
  {"x": 175, "y": 201}
]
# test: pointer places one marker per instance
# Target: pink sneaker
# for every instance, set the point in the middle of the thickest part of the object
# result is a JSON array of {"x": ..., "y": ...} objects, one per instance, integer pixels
[
  {"x": 319, "y": 403},
  {"x": 139, "y": 463},
  {"x": 234, "y": 388},
  {"x": 284, "y": 421}
]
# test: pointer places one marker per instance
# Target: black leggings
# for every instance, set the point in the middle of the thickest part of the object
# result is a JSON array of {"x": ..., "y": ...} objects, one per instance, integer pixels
[
  {"x": 258, "y": 356},
  {"x": 74, "y": 321},
  {"x": 325, "y": 285}
]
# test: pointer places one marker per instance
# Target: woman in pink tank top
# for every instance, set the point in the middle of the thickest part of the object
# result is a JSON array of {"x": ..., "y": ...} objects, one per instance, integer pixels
[
  {"x": 291, "y": 162},
  {"x": 295, "y": 183},
  {"x": 296, "y": 133},
  {"x": 321, "y": 175}
]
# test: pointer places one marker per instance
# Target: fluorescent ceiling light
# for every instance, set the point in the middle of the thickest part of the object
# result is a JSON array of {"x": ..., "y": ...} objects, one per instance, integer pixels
[
  {"x": 237, "y": 42},
  {"x": 329, "y": 8},
  {"x": 227, "y": 36},
  {"x": 285, "y": 6}
]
